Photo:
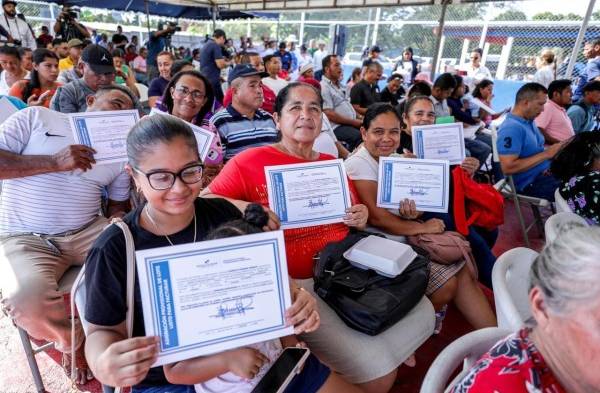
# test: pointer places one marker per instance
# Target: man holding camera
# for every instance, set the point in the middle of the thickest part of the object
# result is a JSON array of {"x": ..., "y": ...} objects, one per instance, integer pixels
[
  {"x": 68, "y": 27},
  {"x": 159, "y": 40},
  {"x": 19, "y": 32}
]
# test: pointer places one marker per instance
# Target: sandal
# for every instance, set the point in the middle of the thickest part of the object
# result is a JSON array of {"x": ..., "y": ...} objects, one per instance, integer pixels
[{"x": 84, "y": 374}]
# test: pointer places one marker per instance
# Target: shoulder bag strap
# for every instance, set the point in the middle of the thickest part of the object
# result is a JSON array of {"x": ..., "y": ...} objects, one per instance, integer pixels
[{"x": 130, "y": 254}]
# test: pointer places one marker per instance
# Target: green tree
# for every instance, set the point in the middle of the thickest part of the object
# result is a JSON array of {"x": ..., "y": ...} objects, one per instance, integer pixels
[{"x": 511, "y": 15}]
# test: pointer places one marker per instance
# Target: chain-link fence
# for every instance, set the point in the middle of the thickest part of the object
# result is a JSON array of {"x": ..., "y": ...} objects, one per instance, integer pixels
[{"x": 512, "y": 34}]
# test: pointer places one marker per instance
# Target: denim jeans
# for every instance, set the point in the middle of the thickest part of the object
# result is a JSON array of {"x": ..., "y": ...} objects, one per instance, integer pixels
[
  {"x": 542, "y": 186},
  {"x": 164, "y": 389},
  {"x": 479, "y": 148}
]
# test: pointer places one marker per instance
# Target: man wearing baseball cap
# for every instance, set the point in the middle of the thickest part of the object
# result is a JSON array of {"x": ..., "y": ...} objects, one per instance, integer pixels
[
  {"x": 75, "y": 47},
  {"x": 243, "y": 124},
  {"x": 212, "y": 61},
  {"x": 19, "y": 31},
  {"x": 97, "y": 69}
]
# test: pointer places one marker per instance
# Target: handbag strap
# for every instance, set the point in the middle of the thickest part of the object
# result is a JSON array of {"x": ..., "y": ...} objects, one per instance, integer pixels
[{"x": 130, "y": 256}]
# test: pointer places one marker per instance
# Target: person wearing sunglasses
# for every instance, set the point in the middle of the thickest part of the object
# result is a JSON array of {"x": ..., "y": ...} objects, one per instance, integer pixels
[
  {"x": 166, "y": 168},
  {"x": 189, "y": 96}
]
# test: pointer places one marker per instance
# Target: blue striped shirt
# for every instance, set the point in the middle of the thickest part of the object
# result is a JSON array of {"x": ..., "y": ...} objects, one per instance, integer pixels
[{"x": 239, "y": 133}]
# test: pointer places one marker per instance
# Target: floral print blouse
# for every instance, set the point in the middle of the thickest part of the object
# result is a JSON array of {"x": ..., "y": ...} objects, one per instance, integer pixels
[{"x": 582, "y": 194}]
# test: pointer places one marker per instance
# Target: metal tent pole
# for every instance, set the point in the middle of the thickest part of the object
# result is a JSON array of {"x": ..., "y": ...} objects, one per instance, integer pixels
[
  {"x": 579, "y": 40},
  {"x": 438, "y": 44}
]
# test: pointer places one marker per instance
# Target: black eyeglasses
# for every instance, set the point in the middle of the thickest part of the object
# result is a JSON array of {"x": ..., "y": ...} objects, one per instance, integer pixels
[{"x": 163, "y": 180}]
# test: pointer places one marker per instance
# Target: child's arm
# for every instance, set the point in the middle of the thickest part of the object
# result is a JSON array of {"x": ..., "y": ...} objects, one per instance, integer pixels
[{"x": 243, "y": 362}]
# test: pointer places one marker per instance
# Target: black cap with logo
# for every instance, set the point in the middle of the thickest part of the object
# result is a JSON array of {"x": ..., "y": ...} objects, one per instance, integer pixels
[{"x": 99, "y": 59}]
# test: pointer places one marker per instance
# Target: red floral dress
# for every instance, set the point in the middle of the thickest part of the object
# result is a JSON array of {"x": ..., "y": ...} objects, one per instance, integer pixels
[{"x": 513, "y": 365}]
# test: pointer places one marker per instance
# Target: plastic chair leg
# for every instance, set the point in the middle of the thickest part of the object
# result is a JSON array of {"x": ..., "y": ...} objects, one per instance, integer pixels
[{"x": 33, "y": 366}]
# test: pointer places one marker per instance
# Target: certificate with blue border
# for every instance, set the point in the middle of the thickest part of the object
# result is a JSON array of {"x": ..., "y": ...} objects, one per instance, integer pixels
[
  {"x": 307, "y": 194},
  {"x": 439, "y": 142},
  {"x": 424, "y": 181},
  {"x": 105, "y": 131},
  {"x": 204, "y": 137},
  {"x": 208, "y": 297}
]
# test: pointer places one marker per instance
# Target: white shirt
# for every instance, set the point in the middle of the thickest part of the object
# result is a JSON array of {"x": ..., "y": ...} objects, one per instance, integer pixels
[
  {"x": 231, "y": 383},
  {"x": 4, "y": 87},
  {"x": 318, "y": 57},
  {"x": 19, "y": 30},
  {"x": 55, "y": 202},
  {"x": 477, "y": 74},
  {"x": 544, "y": 76},
  {"x": 276, "y": 84}
]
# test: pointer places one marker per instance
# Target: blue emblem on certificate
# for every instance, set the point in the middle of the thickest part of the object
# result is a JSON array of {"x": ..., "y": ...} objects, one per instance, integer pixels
[
  {"x": 106, "y": 132},
  {"x": 308, "y": 194},
  {"x": 424, "y": 181},
  {"x": 439, "y": 142},
  {"x": 207, "y": 297}
]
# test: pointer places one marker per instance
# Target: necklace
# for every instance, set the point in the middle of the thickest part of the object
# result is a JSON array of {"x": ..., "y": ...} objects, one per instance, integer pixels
[
  {"x": 156, "y": 226},
  {"x": 281, "y": 147}
]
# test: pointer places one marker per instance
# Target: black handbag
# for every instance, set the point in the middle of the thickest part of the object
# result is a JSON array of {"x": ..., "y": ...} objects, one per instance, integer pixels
[{"x": 363, "y": 299}]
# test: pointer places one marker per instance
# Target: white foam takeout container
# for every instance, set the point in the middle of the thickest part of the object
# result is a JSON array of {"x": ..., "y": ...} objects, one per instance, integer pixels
[{"x": 387, "y": 257}]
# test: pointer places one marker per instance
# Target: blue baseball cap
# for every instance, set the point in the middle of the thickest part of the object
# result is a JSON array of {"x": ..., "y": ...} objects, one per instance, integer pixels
[{"x": 242, "y": 71}]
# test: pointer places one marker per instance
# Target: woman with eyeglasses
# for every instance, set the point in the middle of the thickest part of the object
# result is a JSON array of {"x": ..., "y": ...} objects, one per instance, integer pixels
[
  {"x": 189, "y": 96},
  {"x": 165, "y": 166},
  {"x": 578, "y": 168}
]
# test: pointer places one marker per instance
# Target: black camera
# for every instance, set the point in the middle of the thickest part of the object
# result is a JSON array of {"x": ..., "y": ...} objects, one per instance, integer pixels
[{"x": 174, "y": 25}]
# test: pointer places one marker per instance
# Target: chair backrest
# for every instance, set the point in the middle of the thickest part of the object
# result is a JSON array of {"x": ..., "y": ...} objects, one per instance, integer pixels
[
  {"x": 561, "y": 203},
  {"x": 562, "y": 221},
  {"x": 143, "y": 89},
  {"x": 510, "y": 279},
  {"x": 466, "y": 349}
]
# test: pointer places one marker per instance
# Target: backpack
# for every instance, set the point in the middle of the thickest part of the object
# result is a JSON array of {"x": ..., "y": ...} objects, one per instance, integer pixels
[
  {"x": 364, "y": 300},
  {"x": 478, "y": 204}
]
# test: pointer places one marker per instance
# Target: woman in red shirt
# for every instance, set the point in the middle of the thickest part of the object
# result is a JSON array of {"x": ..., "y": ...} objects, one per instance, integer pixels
[
  {"x": 369, "y": 361},
  {"x": 557, "y": 351}
]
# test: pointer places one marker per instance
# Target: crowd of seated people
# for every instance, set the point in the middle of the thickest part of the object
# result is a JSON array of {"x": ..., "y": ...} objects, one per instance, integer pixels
[{"x": 269, "y": 107}]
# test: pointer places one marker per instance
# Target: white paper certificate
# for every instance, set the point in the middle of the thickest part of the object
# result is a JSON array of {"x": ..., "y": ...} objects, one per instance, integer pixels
[
  {"x": 6, "y": 109},
  {"x": 204, "y": 137},
  {"x": 424, "y": 181},
  {"x": 308, "y": 194},
  {"x": 106, "y": 132},
  {"x": 439, "y": 142},
  {"x": 207, "y": 297}
]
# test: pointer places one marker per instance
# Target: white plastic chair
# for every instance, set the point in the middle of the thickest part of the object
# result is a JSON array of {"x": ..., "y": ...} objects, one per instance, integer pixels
[
  {"x": 467, "y": 349},
  {"x": 143, "y": 89},
  {"x": 510, "y": 278},
  {"x": 560, "y": 222},
  {"x": 561, "y": 203}
]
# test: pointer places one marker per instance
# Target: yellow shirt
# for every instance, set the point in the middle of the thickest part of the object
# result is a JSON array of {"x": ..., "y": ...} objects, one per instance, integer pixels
[{"x": 65, "y": 64}]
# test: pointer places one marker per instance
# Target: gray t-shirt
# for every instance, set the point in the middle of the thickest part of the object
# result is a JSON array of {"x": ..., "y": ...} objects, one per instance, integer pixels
[{"x": 336, "y": 98}]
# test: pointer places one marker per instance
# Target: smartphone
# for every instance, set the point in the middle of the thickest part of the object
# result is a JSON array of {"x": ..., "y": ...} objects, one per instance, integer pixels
[{"x": 281, "y": 373}]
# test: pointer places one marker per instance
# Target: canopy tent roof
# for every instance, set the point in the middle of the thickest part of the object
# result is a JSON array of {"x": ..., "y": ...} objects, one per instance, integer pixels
[
  {"x": 303, "y": 5},
  {"x": 171, "y": 9}
]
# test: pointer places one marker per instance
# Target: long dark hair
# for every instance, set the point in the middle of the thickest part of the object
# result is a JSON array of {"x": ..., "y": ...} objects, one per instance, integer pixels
[
  {"x": 577, "y": 157},
  {"x": 255, "y": 218},
  {"x": 167, "y": 99},
  {"x": 39, "y": 55},
  {"x": 481, "y": 85}
]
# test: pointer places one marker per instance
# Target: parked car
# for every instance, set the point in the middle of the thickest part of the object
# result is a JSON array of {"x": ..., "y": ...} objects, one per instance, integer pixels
[{"x": 354, "y": 59}]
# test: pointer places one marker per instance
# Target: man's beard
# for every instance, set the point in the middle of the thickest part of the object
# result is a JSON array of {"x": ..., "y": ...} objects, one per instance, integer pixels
[{"x": 11, "y": 14}]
